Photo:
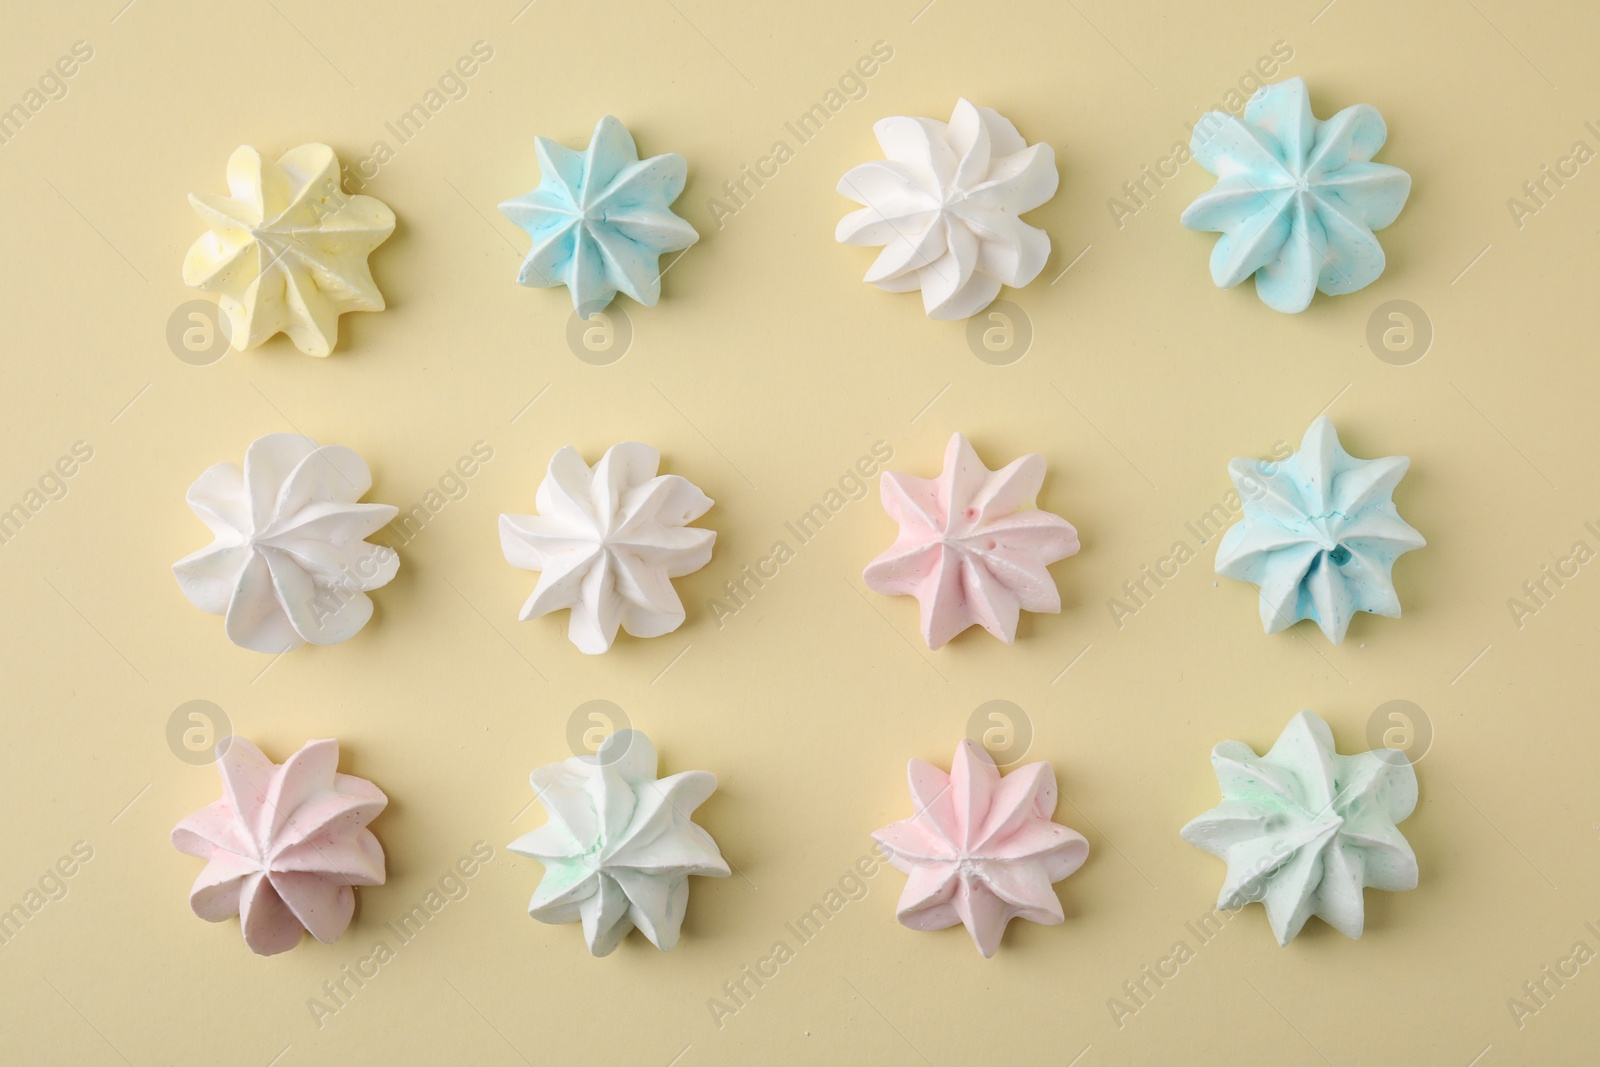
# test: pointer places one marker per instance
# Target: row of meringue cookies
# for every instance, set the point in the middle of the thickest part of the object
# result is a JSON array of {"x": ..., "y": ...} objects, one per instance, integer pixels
[
  {"x": 1297, "y": 200},
  {"x": 1319, "y": 535},
  {"x": 1304, "y": 830}
]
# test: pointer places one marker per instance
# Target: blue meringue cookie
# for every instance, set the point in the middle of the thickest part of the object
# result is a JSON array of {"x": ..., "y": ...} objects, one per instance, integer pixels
[
  {"x": 1319, "y": 535},
  {"x": 601, "y": 219},
  {"x": 1296, "y": 198}
]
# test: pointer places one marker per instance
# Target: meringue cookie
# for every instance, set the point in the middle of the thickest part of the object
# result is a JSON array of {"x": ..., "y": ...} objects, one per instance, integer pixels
[
  {"x": 981, "y": 849},
  {"x": 1319, "y": 534},
  {"x": 288, "y": 249},
  {"x": 1296, "y": 198},
  {"x": 290, "y": 562},
  {"x": 972, "y": 547},
  {"x": 606, "y": 542},
  {"x": 619, "y": 846},
  {"x": 1303, "y": 829},
  {"x": 601, "y": 219},
  {"x": 944, "y": 205},
  {"x": 284, "y": 845}
]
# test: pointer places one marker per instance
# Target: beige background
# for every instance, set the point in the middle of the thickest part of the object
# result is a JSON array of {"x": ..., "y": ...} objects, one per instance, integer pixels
[{"x": 767, "y": 369}]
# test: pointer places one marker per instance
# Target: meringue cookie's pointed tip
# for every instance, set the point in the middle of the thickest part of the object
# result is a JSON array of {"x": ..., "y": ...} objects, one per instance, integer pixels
[
  {"x": 274, "y": 948},
  {"x": 1292, "y": 305},
  {"x": 594, "y": 647},
  {"x": 970, "y": 754},
  {"x": 621, "y": 744},
  {"x": 318, "y": 745},
  {"x": 1313, "y": 725},
  {"x": 588, "y": 309},
  {"x": 601, "y": 949},
  {"x": 958, "y": 449}
]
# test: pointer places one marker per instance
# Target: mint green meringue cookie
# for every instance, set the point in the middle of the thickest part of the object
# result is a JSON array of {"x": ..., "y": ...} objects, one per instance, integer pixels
[{"x": 1304, "y": 829}]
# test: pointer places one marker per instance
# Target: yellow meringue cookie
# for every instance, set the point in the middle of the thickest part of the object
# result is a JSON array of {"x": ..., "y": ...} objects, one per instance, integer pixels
[{"x": 287, "y": 249}]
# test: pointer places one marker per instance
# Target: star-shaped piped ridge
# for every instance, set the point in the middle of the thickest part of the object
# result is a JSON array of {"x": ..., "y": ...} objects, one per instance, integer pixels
[
  {"x": 601, "y": 219},
  {"x": 973, "y": 548},
  {"x": 981, "y": 849},
  {"x": 1319, "y": 535},
  {"x": 1304, "y": 829},
  {"x": 287, "y": 249},
  {"x": 1296, "y": 199},
  {"x": 607, "y": 541},
  {"x": 619, "y": 845}
]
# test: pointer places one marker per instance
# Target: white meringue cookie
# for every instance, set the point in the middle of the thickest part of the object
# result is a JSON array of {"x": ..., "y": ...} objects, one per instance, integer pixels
[
  {"x": 606, "y": 542},
  {"x": 944, "y": 205},
  {"x": 290, "y": 562}
]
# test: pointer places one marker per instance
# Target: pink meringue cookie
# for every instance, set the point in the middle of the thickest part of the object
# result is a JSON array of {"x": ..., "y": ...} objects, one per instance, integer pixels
[
  {"x": 284, "y": 845},
  {"x": 973, "y": 548},
  {"x": 981, "y": 849}
]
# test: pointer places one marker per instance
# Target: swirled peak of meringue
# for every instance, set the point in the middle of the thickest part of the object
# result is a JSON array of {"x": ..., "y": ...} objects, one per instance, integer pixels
[
  {"x": 944, "y": 206},
  {"x": 289, "y": 563}
]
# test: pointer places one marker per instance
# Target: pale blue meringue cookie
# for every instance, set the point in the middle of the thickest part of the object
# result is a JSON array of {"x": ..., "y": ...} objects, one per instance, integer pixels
[
  {"x": 1304, "y": 829},
  {"x": 1296, "y": 198},
  {"x": 601, "y": 219},
  {"x": 1320, "y": 534}
]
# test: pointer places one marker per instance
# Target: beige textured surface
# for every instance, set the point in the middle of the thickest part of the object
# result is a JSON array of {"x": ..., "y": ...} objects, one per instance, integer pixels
[{"x": 765, "y": 373}]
